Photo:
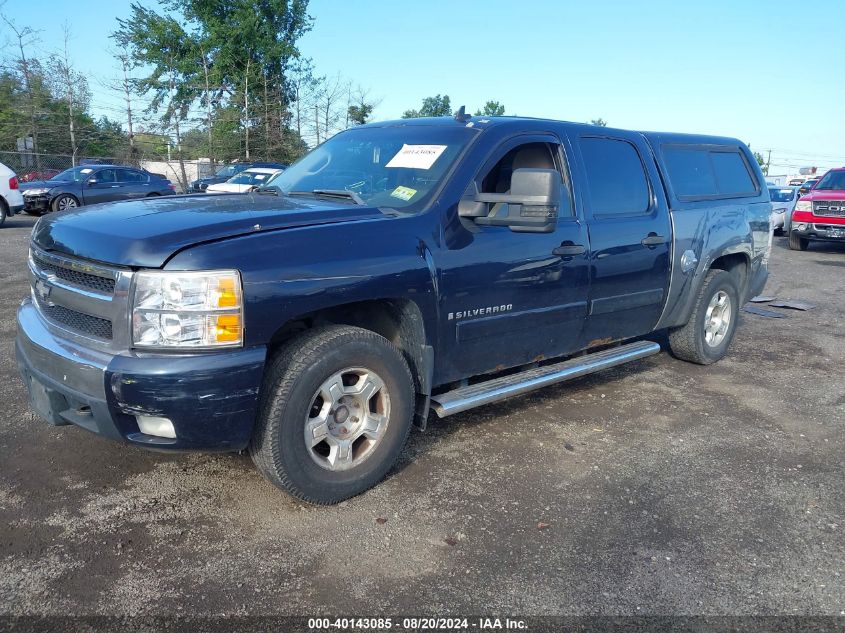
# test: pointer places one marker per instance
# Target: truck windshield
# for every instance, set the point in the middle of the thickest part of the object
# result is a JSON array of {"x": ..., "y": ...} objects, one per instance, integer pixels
[
  {"x": 832, "y": 180},
  {"x": 394, "y": 167}
]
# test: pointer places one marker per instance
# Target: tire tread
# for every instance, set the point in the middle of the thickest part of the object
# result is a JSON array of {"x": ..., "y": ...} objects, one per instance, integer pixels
[{"x": 284, "y": 369}]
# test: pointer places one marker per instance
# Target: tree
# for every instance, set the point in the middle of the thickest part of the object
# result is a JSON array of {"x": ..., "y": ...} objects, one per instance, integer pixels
[
  {"x": 26, "y": 66},
  {"x": 161, "y": 43},
  {"x": 70, "y": 87},
  {"x": 762, "y": 162},
  {"x": 599, "y": 122},
  {"x": 491, "y": 108},
  {"x": 431, "y": 106},
  {"x": 360, "y": 107}
]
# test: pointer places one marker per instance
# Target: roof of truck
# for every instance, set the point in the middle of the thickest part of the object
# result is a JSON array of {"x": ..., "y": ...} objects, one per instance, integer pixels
[{"x": 481, "y": 122}]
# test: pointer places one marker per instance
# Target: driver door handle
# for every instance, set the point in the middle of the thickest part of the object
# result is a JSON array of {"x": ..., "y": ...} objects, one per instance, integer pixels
[
  {"x": 653, "y": 239},
  {"x": 569, "y": 250}
]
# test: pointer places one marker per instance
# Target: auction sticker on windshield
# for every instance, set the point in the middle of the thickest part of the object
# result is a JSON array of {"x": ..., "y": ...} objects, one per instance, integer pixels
[
  {"x": 417, "y": 156},
  {"x": 403, "y": 193}
]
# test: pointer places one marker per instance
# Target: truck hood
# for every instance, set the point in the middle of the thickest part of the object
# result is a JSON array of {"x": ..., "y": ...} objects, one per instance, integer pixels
[
  {"x": 146, "y": 233},
  {"x": 824, "y": 194}
]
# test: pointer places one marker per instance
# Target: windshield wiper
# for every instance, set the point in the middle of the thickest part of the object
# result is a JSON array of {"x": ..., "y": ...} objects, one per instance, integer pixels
[{"x": 331, "y": 193}]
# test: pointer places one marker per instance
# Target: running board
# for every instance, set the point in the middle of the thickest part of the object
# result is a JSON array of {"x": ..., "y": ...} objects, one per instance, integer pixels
[{"x": 471, "y": 396}]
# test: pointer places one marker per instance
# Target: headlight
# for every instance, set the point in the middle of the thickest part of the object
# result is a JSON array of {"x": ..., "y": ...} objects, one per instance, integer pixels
[
  {"x": 803, "y": 205},
  {"x": 187, "y": 309},
  {"x": 35, "y": 192}
]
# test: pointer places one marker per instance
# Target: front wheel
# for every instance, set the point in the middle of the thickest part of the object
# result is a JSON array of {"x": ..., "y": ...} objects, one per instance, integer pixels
[
  {"x": 797, "y": 243},
  {"x": 336, "y": 409},
  {"x": 65, "y": 201},
  {"x": 709, "y": 332}
]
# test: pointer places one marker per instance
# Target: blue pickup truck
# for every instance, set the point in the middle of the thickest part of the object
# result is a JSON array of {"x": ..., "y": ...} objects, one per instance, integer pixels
[{"x": 399, "y": 267}]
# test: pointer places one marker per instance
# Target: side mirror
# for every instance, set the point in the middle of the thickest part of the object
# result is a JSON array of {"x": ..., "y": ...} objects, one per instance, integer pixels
[
  {"x": 531, "y": 206},
  {"x": 92, "y": 181}
]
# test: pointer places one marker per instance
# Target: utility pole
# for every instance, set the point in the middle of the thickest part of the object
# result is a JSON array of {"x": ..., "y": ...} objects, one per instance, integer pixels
[{"x": 768, "y": 162}]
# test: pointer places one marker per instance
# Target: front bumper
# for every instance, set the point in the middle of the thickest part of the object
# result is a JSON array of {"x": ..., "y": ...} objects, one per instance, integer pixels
[
  {"x": 820, "y": 231},
  {"x": 211, "y": 399},
  {"x": 36, "y": 203}
]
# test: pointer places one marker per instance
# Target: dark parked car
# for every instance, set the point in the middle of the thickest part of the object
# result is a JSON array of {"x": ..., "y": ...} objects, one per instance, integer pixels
[
  {"x": 90, "y": 184},
  {"x": 807, "y": 185},
  {"x": 224, "y": 173}
]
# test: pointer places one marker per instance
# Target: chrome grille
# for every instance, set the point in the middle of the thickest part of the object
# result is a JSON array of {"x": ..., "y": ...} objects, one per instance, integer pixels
[
  {"x": 75, "y": 277},
  {"x": 80, "y": 322},
  {"x": 81, "y": 298},
  {"x": 834, "y": 208}
]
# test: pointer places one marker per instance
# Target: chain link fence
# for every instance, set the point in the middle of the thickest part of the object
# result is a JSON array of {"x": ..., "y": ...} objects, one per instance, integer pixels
[{"x": 30, "y": 166}]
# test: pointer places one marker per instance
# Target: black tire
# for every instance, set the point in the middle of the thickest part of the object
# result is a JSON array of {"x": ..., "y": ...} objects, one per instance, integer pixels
[
  {"x": 153, "y": 195},
  {"x": 292, "y": 378},
  {"x": 57, "y": 202},
  {"x": 797, "y": 243},
  {"x": 688, "y": 341},
  {"x": 4, "y": 211}
]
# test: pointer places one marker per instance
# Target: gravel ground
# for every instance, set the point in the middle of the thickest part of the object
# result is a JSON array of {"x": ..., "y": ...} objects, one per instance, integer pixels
[{"x": 656, "y": 488}]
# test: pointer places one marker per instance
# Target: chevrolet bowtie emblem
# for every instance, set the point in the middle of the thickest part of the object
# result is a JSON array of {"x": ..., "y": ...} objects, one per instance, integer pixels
[{"x": 43, "y": 290}]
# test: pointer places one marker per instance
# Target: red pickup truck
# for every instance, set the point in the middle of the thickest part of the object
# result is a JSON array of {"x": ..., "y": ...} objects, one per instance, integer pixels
[{"x": 820, "y": 214}]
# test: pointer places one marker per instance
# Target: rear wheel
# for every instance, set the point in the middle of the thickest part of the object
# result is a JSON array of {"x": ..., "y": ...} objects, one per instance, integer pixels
[
  {"x": 709, "y": 332},
  {"x": 797, "y": 243},
  {"x": 336, "y": 410},
  {"x": 4, "y": 211},
  {"x": 65, "y": 201}
]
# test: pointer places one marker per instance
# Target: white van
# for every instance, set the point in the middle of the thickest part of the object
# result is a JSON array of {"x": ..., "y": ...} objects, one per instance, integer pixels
[{"x": 11, "y": 200}]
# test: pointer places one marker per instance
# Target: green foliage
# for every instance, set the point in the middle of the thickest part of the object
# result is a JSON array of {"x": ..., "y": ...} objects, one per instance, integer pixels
[
  {"x": 491, "y": 108},
  {"x": 101, "y": 137},
  {"x": 229, "y": 57},
  {"x": 358, "y": 114},
  {"x": 600, "y": 122},
  {"x": 431, "y": 106}
]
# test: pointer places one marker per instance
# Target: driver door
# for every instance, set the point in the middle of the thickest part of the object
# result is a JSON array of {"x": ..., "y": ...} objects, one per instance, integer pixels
[{"x": 510, "y": 298}]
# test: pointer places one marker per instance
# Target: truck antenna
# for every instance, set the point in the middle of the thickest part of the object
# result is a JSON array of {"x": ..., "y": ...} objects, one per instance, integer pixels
[{"x": 461, "y": 115}]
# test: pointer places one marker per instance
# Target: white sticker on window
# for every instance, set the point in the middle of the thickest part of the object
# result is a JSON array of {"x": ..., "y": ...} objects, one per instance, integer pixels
[
  {"x": 417, "y": 156},
  {"x": 260, "y": 176},
  {"x": 85, "y": 171}
]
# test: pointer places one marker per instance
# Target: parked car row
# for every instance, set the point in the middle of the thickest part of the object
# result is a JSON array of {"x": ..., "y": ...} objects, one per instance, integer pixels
[{"x": 228, "y": 171}]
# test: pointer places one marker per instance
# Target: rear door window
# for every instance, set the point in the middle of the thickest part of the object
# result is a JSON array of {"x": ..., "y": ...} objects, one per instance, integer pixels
[{"x": 616, "y": 178}]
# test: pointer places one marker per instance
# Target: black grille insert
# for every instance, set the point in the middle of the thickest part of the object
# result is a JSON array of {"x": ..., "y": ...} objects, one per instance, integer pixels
[
  {"x": 76, "y": 321},
  {"x": 87, "y": 281},
  {"x": 829, "y": 208}
]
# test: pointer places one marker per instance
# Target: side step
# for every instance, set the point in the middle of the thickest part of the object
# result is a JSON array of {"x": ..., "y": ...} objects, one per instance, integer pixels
[{"x": 471, "y": 396}]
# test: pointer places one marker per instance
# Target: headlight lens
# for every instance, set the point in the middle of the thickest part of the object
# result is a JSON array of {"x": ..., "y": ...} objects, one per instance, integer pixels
[
  {"x": 187, "y": 309},
  {"x": 804, "y": 205},
  {"x": 35, "y": 192}
]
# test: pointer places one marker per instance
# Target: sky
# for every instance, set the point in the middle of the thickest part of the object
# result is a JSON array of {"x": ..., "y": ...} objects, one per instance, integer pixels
[{"x": 752, "y": 69}]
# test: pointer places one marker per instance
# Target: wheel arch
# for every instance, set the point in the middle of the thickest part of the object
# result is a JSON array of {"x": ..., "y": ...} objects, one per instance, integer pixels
[{"x": 399, "y": 320}]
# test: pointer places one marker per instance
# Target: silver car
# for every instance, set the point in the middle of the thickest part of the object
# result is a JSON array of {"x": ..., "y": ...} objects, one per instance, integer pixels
[{"x": 783, "y": 202}]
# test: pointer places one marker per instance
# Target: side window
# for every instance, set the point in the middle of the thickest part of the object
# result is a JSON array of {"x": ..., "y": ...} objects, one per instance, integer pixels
[
  {"x": 130, "y": 175},
  {"x": 527, "y": 156},
  {"x": 616, "y": 178},
  {"x": 690, "y": 172},
  {"x": 699, "y": 173},
  {"x": 106, "y": 176},
  {"x": 732, "y": 177}
]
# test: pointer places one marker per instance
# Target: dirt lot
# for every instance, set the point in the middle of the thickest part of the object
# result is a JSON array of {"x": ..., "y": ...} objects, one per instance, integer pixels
[{"x": 667, "y": 488}]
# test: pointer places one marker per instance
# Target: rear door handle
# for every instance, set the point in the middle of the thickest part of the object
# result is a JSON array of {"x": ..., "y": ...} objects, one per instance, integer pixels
[
  {"x": 653, "y": 239},
  {"x": 569, "y": 250}
]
